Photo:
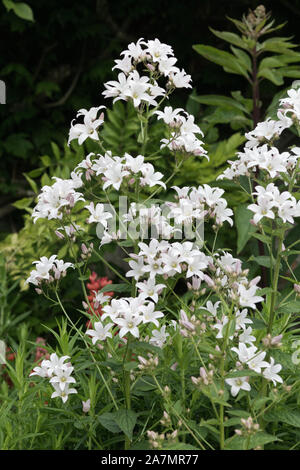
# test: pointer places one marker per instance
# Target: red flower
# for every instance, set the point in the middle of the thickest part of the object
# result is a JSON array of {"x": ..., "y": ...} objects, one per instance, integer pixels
[{"x": 94, "y": 285}]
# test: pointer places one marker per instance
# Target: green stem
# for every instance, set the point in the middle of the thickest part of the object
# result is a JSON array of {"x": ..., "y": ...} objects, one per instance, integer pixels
[
  {"x": 87, "y": 347},
  {"x": 275, "y": 283},
  {"x": 127, "y": 386}
]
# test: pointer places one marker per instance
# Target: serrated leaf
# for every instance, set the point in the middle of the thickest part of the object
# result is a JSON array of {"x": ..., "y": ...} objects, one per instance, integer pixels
[
  {"x": 284, "y": 415},
  {"x": 108, "y": 422},
  {"x": 246, "y": 443},
  {"x": 126, "y": 420}
]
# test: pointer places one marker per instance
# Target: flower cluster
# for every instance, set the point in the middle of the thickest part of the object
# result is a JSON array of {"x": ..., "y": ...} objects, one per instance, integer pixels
[
  {"x": 197, "y": 203},
  {"x": 270, "y": 202},
  {"x": 248, "y": 354},
  {"x": 55, "y": 199},
  {"x": 114, "y": 170},
  {"x": 183, "y": 130},
  {"x": 157, "y": 60},
  {"x": 59, "y": 374},
  {"x": 269, "y": 160},
  {"x": 166, "y": 259},
  {"x": 48, "y": 270},
  {"x": 128, "y": 315},
  {"x": 291, "y": 105}
]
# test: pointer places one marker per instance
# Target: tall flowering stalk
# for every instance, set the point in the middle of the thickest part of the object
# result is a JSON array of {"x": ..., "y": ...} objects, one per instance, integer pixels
[{"x": 216, "y": 338}]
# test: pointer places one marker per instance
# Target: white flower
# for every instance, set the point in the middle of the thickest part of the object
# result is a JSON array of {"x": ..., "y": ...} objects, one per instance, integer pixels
[
  {"x": 241, "y": 319},
  {"x": 116, "y": 89},
  {"x": 220, "y": 327},
  {"x": 100, "y": 332},
  {"x": 166, "y": 66},
  {"x": 137, "y": 90},
  {"x": 237, "y": 384},
  {"x": 246, "y": 336},
  {"x": 88, "y": 128},
  {"x": 150, "y": 177},
  {"x": 158, "y": 50},
  {"x": 135, "y": 50},
  {"x": 254, "y": 360},
  {"x": 159, "y": 337},
  {"x": 247, "y": 297},
  {"x": 53, "y": 199},
  {"x": 180, "y": 79},
  {"x": 129, "y": 324},
  {"x": 97, "y": 214},
  {"x": 55, "y": 363},
  {"x": 212, "y": 308},
  {"x": 137, "y": 268},
  {"x": 135, "y": 164},
  {"x": 40, "y": 371},
  {"x": 125, "y": 64},
  {"x": 270, "y": 372},
  {"x": 196, "y": 266},
  {"x": 150, "y": 289},
  {"x": 150, "y": 315},
  {"x": 63, "y": 394},
  {"x": 63, "y": 377},
  {"x": 168, "y": 114}
]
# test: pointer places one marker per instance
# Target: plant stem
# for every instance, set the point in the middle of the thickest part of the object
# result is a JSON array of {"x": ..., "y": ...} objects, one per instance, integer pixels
[
  {"x": 275, "y": 282},
  {"x": 126, "y": 375}
]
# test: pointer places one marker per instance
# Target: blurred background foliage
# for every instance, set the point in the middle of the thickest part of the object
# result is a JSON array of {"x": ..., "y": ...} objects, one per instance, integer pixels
[{"x": 55, "y": 57}]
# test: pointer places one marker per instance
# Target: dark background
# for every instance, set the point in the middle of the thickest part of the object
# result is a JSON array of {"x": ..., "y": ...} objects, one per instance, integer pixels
[{"x": 58, "y": 63}]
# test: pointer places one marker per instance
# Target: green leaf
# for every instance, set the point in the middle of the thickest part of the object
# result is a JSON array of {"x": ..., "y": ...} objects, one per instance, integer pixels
[
  {"x": 22, "y": 10},
  {"x": 126, "y": 420},
  {"x": 108, "y": 422},
  {"x": 46, "y": 160},
  {"x": 142, "y": 385},
  {"x": 130, "y": 365},
  {"x": 55, "y": 150},
  {"x": 244, "y": 443},
  {"x": 245, "y": 229},
  {"x": 32, "y": 183},
  {"x": 219, "y": 100},
  {"x": 280, "y": 45},
  {"x": 262, "y": 260},
  {"x": 271, "y": 62},
  {"x": 243, "y": 58},
  {"x": 116, "y": 288},
  {"x": 272, "y": 75},
  {"x": 290, "y": 307},
  {"x": 263, "y": 238},
  {"x": 284, "y": 415},
  {"x": 242, "y": 373},
  {"x": 23, "y": 203},
  {"x": 232, "y": 38},
  {"x": 228, "y": 61},
  {"x": 293, "y": 72}
]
